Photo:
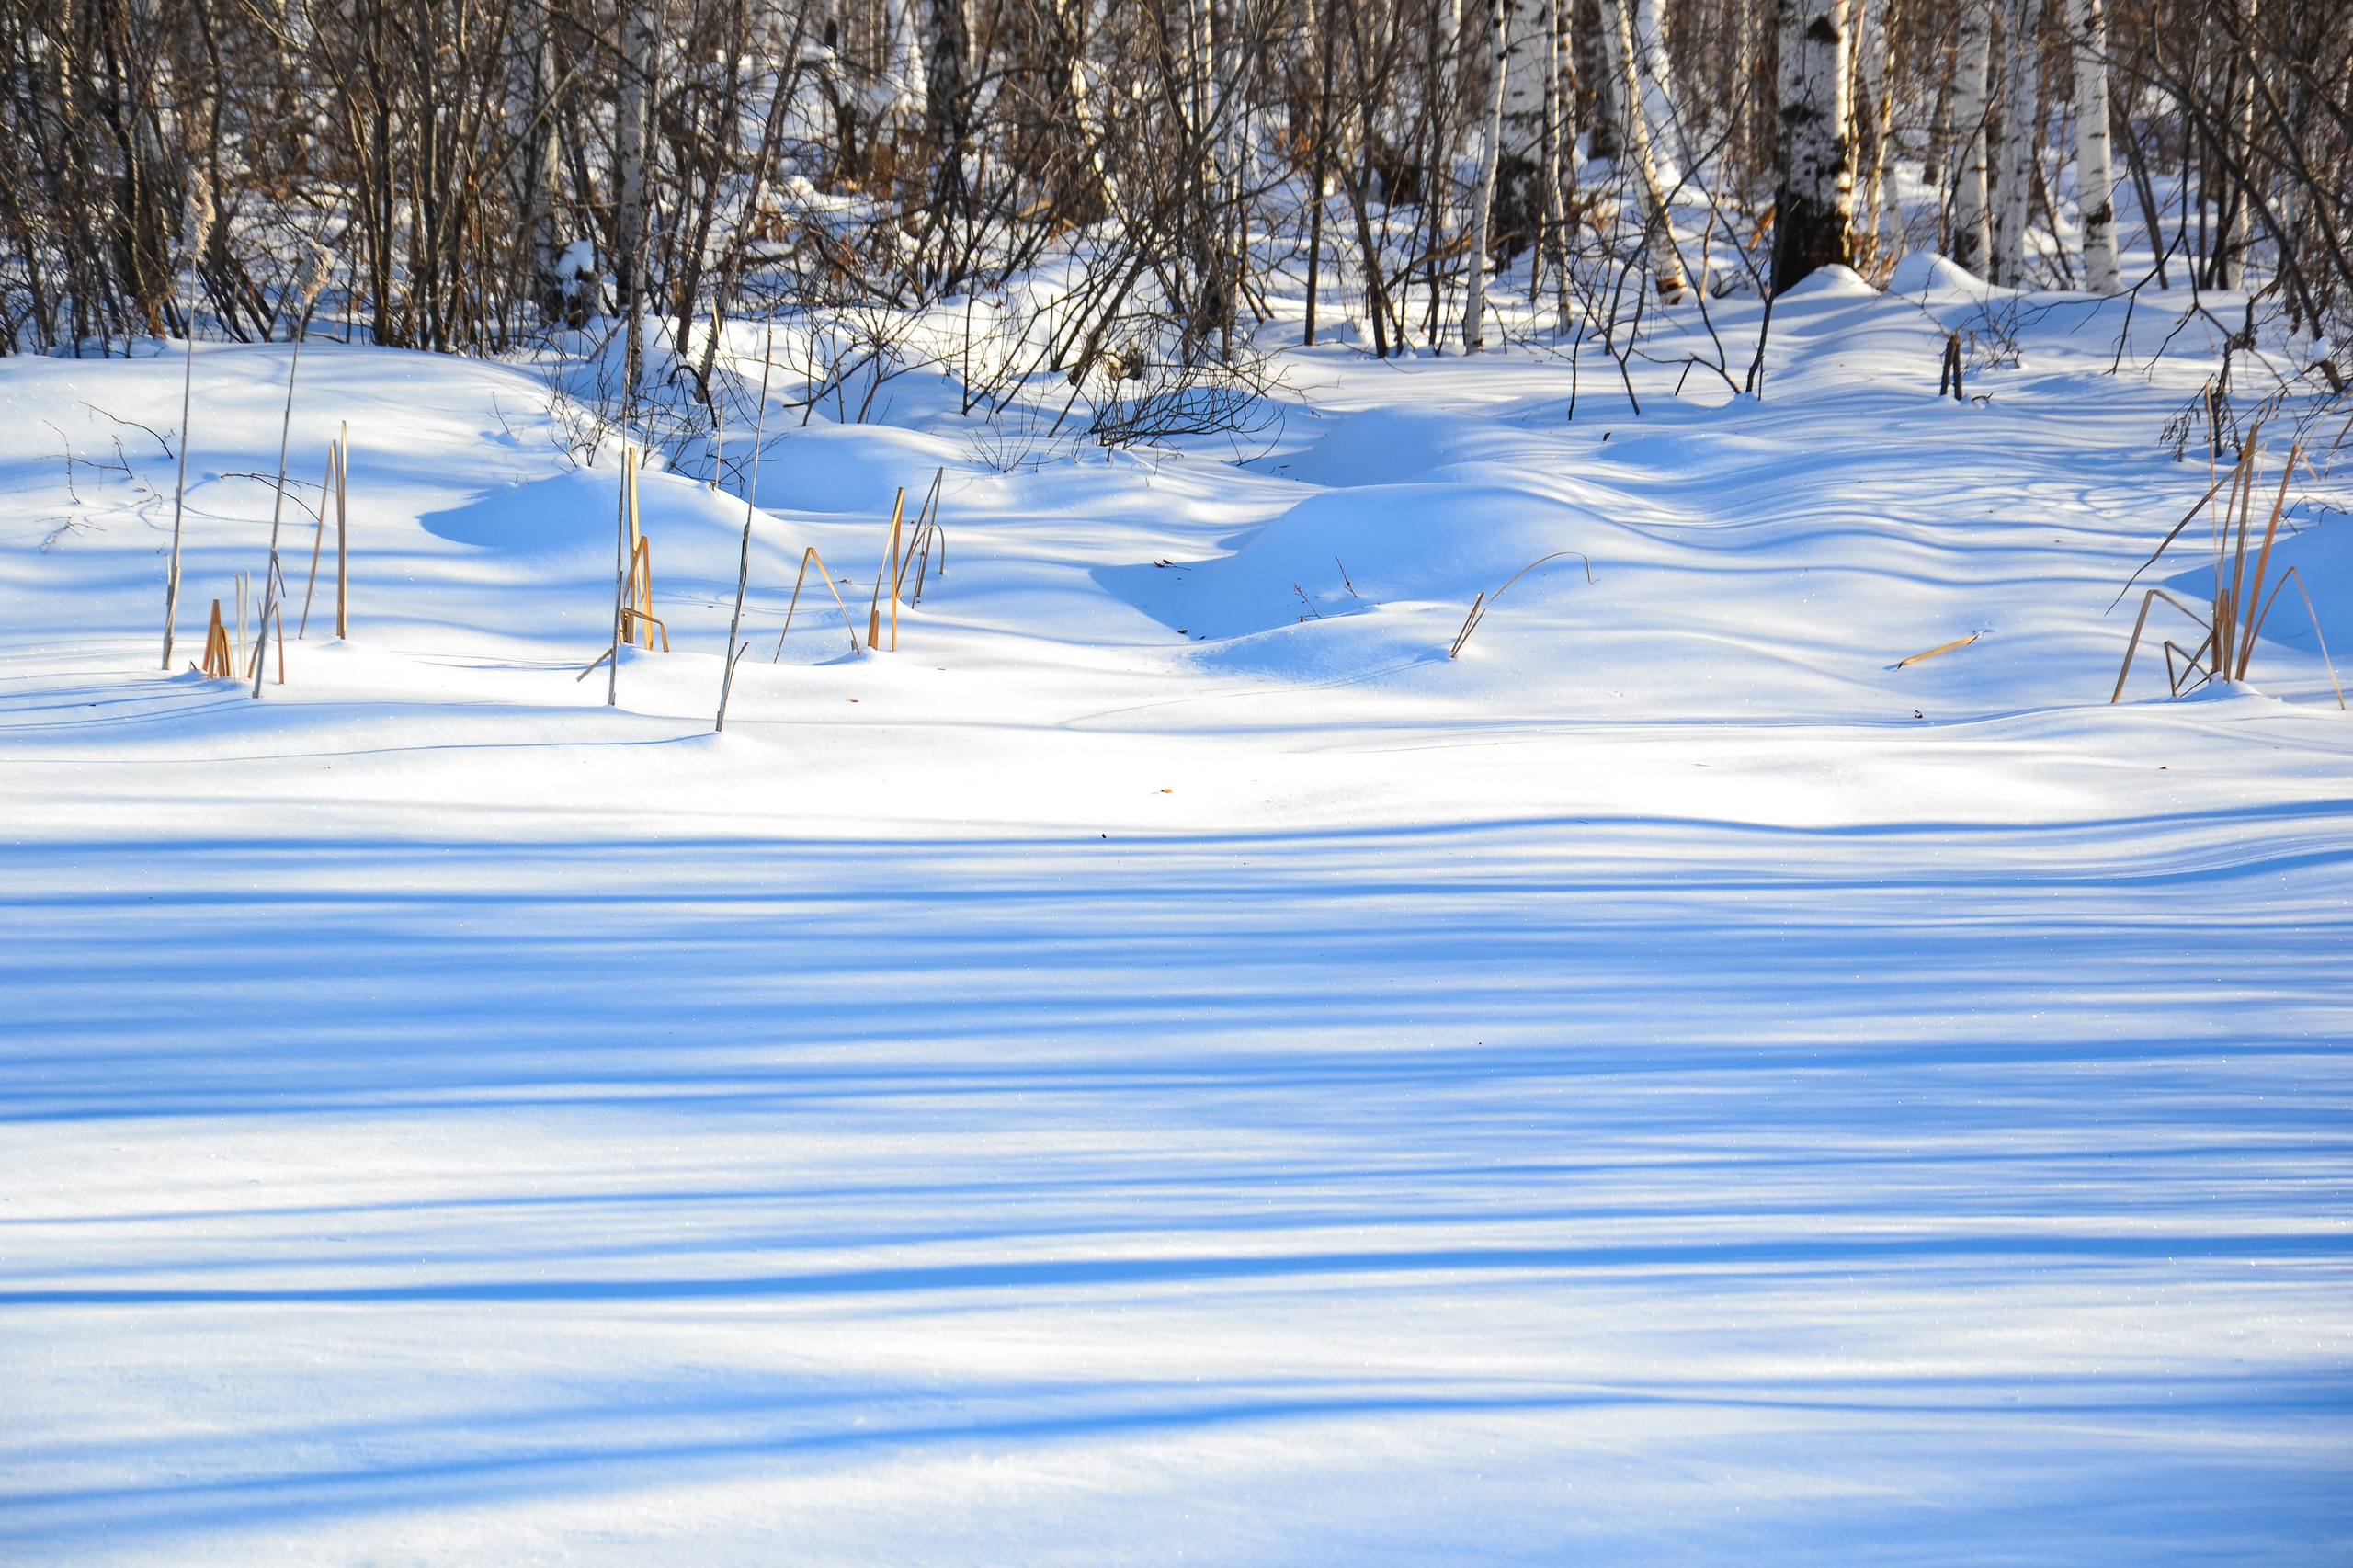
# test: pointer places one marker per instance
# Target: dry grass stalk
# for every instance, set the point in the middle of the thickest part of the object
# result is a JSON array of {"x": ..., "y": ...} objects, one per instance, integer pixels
[
  {"x": 849, "y": 626},
  {"x": 274, "y": 594},
  {"x": 634, "y": 622},
  {"x": 1469, "y": 621},
  {"x": 2175, "y": 532},
  {"x": 1485, "y": 602},
  {"x": 343, "y": 532},
  {"x": 897, "y": 513},
  {"x": 314, "y": 280},
  {"x": 887, "y": 572},
  {"x": 2236, "y": 608},
  {"x": 751, "y": 495},
  {"x": 218, "y": 662},
  {"x": 2291, "y": 575},
  {"x": 1941, "y": 648},
  {"x": 2225, "y": 621},
  {"x": 196, "y": 228},
  {"x": 2263, "y": 559},
  {"x": 638, "y": 623},
  {"x": 927, "y": 525},
  {"x": 327, "y": 490},
  {"x": 2142, "y": 620},
  {"x": 621, "y": 533}
]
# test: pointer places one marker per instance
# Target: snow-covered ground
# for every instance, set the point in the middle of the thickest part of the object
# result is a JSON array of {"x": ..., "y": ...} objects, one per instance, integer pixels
[{"x": 1168, "y": 1066}]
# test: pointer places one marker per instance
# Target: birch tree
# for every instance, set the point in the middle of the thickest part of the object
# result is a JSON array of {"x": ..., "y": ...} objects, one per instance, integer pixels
[
  {"x": 1813, "y": 214},
  {"x": 1474, "y": 308},
  {"x": 1667, "y": 266},
  {"x": 1872, "y": 125},
  {"x": 903, "y": 98},
  {"x": 2021, "y": 115},
  {"x": 537, "y": 161},
  {"x": 1525, "y": 125},
  {"x": 2095, "y": 185},
  {"x": 1971, "y": 244},
  {"x": 2230, "y": 255},
  {"x": 1657, "y": 76},
  {"x": 632, "y": 110}
]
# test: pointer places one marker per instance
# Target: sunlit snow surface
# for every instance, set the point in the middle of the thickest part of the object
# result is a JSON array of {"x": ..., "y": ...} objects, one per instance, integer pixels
[{"x": 1168, "y": 1066}]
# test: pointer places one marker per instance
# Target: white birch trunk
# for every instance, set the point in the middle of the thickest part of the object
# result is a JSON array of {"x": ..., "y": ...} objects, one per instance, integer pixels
[
  {"x": 1474, "y": 306},
  {"x": 1814, "y": 212},
  {"x": 903, "y": 96},
  {"x": 1657, "y": 78},
  {"x": 2095, "y": 182},
  {"x": 532, "y": 119},
  {"x": 1874, "y": 122},
  {"x": 2236, "y": 233},
  {"x": 1527, "y": 59},
  {"x": 638, "y": 43},
  {"x": 1971, "y": 72},
  {"x": 1560, "y": 158},
  {"x": 1666, "y": 266},
  {"x": 2022, "y": 116}
]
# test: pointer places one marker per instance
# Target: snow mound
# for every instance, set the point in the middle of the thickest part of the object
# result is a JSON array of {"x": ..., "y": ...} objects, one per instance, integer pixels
[
  {"x": 553, "y": 517},
  {"x": 1830, "y": 283},
  {"x": 1390, "y": 446},
  {"x": 855, "y": 468},
  {"x": 1353, "y": 552},
  {"x": 1926, "y": 272},
  {"x": 561, "y": 526}
]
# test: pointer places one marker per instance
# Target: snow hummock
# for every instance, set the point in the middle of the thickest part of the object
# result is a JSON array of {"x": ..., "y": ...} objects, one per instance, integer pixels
[{"x": 1926, "y": 272}]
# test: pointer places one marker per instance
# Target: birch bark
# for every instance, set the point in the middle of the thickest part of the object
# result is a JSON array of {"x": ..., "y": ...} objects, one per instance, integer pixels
[
  {"x": 1971, "y": 244},
  {"x": 1813, "y": 214},
  {"x": 2095, "y": 182}
]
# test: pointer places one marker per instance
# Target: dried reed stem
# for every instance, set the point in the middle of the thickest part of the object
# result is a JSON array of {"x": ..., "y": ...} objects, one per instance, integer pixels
[
  {"x": 2263, "y": 559},
  {"x": 2142, "y": 619},
  {"x": 884, "y": 574},
  {"x": 1486, "y": 602},
  {"x": 318, "y": 543},
  {"x": 751, "y": 491},
  {"x": 826, "y": 572},
  {"x": 198, "y": 224},
  {"x": 2298, "y": 578},
  {"x": 313, "y": 279},
  {"x": 343, "y": 532},
  {"x": 620, "y": 581},
  {"x": 1941, "y": 648}
]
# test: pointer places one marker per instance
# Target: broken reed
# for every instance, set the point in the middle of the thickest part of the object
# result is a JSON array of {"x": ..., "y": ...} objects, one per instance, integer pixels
[
  {"x": 336, "y": 489},
  {"x": 2236, "y": 608},
  {"x": 825, "y": 572},
  {"x": 219, "y": 663},
  {"x": 314, "y": 280},
  {"x": 751, "y": 503},
  {"x": 927, "y": 531},
  {"x": 196, "y": 226},
  {"x": 1938, "y": 650},
  {"x": 889, "y": 573},
  {"x": 1487, "y": 601}
]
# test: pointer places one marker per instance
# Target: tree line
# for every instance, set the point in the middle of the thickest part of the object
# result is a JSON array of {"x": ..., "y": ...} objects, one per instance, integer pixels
[{"x": 484, "y": 174}]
